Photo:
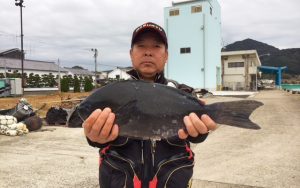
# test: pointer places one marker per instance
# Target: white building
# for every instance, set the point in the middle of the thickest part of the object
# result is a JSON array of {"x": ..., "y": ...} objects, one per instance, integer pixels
[
  {"x": 10, "y": 62},
  {"x": 10, "y": 65},
  {"x": 119, "y": 73},
  {"x": 194, "y": 35},
  {"x": 239, "y": 70}
]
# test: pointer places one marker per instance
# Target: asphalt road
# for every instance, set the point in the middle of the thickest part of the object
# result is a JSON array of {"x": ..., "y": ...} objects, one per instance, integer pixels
[
  {"x": 230, "y": 157},
  {"x": 269, "y": 157}
]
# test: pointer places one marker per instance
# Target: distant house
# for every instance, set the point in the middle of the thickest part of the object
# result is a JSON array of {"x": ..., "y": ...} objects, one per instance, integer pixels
[
  {"x": 79, "y": 72},
  {"x": 103, "y": 74},
  {"x": 119, "y": 73},
  {"x": 239, "y": 70},
  {"x": 10, "y": 62},
  {"x": 11, "y": 53},
  {"x": 11, "y": 65}
]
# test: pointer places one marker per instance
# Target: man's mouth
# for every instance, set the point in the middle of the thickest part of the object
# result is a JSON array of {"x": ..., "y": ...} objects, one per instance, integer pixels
[{"x": 147, "y": 62}]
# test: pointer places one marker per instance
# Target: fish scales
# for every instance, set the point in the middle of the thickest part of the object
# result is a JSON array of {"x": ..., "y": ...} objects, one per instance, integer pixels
[{"x": 147, "y": 110}]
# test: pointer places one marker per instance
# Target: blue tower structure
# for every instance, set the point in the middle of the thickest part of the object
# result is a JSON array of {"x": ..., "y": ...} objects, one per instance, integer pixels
[
  {"x": 274, "y": 70},
  {"x": 194, "y": 36}
]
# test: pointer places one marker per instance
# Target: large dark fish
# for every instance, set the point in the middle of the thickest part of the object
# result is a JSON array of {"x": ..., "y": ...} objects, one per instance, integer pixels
[{"x": 153, "y": 111}]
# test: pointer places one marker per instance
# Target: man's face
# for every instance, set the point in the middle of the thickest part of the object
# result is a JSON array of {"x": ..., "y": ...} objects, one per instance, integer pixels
[{"x": 148, "y": 55}]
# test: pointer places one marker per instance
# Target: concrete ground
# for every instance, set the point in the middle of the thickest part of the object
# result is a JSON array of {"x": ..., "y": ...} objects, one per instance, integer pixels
[{"x": 230, "y": 157}]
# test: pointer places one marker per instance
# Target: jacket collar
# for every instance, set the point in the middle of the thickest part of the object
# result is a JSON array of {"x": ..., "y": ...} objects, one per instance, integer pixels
[{"x": 159, "y": 77}]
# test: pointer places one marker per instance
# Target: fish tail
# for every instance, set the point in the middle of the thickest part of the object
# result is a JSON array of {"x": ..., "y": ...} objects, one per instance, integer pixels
[{"x": 235, "y": 113}]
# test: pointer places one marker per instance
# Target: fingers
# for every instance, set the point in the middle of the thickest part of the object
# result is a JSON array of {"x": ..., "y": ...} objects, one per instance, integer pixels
[
  {"x": 195, "y": 126},
  {"x": 99, "y": 126},
  {"x": 105, "y": 132},
  {"x": 198, "y": 124},
  {"x": 100, "y": 122},
  {"x": 190, "y": 126},
  {"x": 182, "y": 134},
  {"x": 89, "y": 122},
  {"x": 114, "y": 133},
  {"x": 210, "y": 124}
]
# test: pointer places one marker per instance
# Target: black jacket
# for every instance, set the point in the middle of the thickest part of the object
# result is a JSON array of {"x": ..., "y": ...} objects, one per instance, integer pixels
[{"x": 145, "y": 159}]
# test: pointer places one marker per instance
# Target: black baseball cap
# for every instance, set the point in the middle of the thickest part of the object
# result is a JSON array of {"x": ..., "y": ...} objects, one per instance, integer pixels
[{"x": 149, "y": 26}]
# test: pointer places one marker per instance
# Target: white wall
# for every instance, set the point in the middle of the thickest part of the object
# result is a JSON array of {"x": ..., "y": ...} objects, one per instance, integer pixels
[{"x": 122, "y": 74}]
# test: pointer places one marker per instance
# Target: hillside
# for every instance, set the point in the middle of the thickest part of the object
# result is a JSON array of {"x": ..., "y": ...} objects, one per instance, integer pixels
[{"x": 270, "y": 55}]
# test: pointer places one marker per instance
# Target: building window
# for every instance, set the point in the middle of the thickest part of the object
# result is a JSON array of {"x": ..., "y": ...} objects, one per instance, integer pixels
[
  {"x": 235, "y": 64},
  {"x": 174, "y": 12},
  {"x": 195, "y": 9},
  {"x": 185, "y": 50}
]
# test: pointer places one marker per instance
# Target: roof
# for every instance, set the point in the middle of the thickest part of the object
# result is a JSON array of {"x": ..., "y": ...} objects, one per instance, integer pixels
[
  {"x": 242, "y": 52},
  {"x": 120, "y": 68},
  {"x": 34, "y": 65},
  {"x": 79, "y": 71},
  {"x": 184, "y": 2},
  {"x": 3, "y": 52}
]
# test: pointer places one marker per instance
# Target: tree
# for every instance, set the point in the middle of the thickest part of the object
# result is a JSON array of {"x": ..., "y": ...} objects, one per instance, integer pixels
[
  {"x": 37, "y": 80},
  {"x": 44, "y": 80},
  {"x": 30, "y": 80},
  {"x": 51, "y": 80},
  {"x": 65, "y": 87},
  {"x": 88, "y": 84},
  {"x": 76, "y": 84},
  {"x": 15, "y": 74},
  {"x": 70, "y": 80}
]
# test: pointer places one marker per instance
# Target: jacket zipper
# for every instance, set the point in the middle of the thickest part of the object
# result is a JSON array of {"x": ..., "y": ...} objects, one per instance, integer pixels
[
  {"x": 142, "y": 157},
  {"x": 153, "y": 147}
]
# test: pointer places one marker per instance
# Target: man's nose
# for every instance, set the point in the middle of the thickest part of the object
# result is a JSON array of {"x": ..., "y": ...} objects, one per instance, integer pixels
[{"x": 148, "y": 52}]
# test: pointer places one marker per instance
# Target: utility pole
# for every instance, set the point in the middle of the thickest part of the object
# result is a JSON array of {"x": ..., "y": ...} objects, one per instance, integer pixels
[
  {"x": 95, "y": 56},
  {"x": 59, "y": 85},
  {"x": 20, "y": 4},
  {"x": 4, "y": 68}
]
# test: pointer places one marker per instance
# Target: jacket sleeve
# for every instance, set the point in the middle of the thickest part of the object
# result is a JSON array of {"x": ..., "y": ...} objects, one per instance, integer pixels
[
  {"x": 95, "y": 144},
  {"x": 197, "y": 139}
]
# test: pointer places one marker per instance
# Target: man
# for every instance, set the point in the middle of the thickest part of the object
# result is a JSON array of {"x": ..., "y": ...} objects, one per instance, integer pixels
[{"x": 143, "y": 163}]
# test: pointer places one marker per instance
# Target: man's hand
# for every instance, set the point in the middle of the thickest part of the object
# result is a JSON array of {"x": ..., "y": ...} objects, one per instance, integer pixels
[
  {"x": 99, "y": 126},
  {"x": 195, "y": 125}
]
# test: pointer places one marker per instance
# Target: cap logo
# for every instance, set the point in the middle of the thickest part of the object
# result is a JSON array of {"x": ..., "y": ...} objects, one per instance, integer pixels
[{"x": 149, "y": 25}]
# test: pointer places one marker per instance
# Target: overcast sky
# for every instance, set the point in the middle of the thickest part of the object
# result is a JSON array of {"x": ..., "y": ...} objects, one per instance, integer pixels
[{"x": 68, "y": 29}]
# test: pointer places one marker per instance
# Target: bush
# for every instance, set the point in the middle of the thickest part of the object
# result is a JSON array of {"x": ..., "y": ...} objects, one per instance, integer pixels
[
  {"x": 76, "y": 84},
  {"x": 88, "y": 85},
  {"x": 64, "y": 84}
]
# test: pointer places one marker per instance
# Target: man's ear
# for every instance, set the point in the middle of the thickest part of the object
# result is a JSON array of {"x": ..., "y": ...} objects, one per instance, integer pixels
[
  {"x": 130, "y": 52},
  {"x": 167, "y": 55}
]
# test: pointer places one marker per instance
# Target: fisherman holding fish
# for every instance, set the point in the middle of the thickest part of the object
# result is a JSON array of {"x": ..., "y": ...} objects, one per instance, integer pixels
[{"x": 138, "y": 163}]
